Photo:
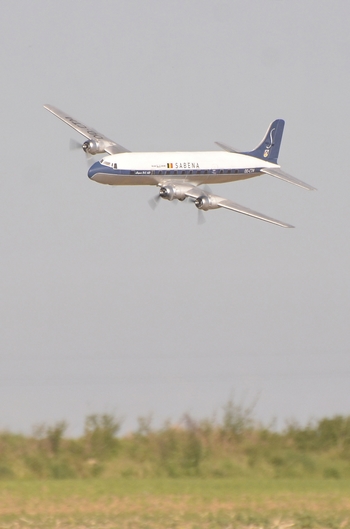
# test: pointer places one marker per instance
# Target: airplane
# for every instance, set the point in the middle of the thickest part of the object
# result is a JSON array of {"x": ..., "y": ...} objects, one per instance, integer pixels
[{"x": 179, "y": 175}]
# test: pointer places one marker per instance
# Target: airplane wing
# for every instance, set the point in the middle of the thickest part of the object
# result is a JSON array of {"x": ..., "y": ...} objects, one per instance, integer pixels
[
  {"x": 109, "y": 146},
  {"x": 220, "y": 202},
  {"x": 228, "y": 204},
  {"x": 277, "y": 173}
]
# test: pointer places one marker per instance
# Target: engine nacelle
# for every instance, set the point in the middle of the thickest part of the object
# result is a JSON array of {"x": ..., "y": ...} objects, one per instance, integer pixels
[
  {"x": 206, "y": 202},
  {"x": 94, "y": 147},
  {"x": 172, "y": 193}
]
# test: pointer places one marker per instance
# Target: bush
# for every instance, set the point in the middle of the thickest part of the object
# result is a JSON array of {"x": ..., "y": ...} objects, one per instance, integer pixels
[{"x": 100, "y": 436}]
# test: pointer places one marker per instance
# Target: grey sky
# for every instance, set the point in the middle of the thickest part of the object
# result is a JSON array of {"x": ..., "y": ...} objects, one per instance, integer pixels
[{"x": 107, "y": 305}]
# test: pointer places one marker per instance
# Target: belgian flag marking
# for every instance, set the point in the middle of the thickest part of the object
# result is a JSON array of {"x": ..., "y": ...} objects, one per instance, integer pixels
[{"x": 169, "y": 165}]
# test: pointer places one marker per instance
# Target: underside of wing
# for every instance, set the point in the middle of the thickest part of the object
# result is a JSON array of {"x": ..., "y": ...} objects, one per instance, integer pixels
[
  {"x": 206, "y": 201},
  {"x": 103, "y": 144},
  {"x": 277, "y": 173},
  {"x": 246, "y": 211}
]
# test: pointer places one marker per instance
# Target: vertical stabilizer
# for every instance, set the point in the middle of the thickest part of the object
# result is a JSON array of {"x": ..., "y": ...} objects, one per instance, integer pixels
[{"x": 270, "y": 146}]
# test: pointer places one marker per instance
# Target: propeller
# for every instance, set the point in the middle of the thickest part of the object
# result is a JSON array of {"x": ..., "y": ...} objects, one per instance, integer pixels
[
  {"x": 75, "y": 145},
  {"x": 200, "y": 217},
  {"x": 200, "y": 213},
  {"x": 154, "y": 201},
  {"x": 206, "y": 189}
]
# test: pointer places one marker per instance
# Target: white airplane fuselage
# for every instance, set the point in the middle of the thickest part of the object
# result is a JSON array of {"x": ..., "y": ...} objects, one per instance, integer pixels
[{"x": 152, "y": 168}]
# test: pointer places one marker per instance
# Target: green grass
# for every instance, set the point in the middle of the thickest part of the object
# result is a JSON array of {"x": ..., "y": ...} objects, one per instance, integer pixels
[{"x": 185, "y": 503}]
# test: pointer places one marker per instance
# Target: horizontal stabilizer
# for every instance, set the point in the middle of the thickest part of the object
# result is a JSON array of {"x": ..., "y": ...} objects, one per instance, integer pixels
[
  {"x": 225, "y": 147},
  {"x": 277, "y": 173}
]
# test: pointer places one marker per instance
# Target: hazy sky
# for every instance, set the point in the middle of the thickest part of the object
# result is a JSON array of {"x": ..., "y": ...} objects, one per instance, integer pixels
[{"x": 109, "y": 306}]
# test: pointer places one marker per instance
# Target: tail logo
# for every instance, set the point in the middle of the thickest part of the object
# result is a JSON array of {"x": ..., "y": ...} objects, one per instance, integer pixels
[{"x": 268, "y": 147}]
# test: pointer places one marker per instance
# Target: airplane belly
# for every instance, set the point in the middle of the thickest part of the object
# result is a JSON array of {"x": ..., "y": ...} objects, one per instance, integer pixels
[
  {"x": 124, "y": 180},
  {"x": 224, "y": 178}
]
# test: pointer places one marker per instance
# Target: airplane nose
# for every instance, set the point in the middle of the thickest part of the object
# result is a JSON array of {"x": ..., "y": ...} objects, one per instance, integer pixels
[{"x": 93, "y": 169}]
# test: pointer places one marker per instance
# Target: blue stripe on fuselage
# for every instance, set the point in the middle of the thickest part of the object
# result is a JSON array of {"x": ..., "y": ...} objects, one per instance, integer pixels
[{"x": 103, "y": 169}]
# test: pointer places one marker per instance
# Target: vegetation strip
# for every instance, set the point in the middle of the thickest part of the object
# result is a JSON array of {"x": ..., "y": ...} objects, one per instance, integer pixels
[{"x": 235, "y": 446}]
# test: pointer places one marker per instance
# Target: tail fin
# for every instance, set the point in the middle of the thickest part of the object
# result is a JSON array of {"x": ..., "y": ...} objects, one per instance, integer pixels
[{"x": 270, "y": 146}]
